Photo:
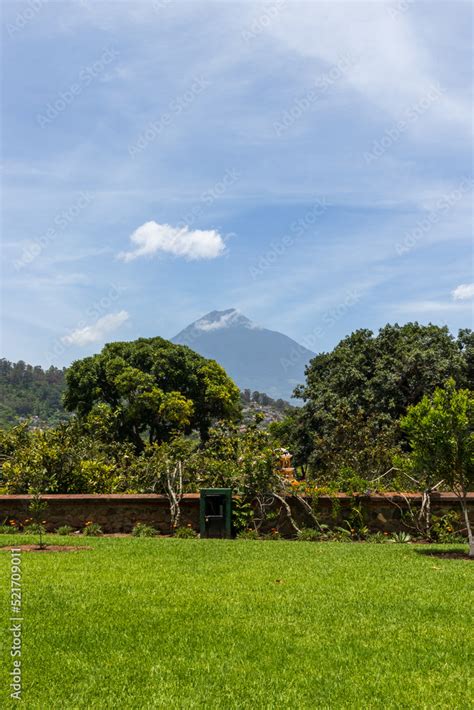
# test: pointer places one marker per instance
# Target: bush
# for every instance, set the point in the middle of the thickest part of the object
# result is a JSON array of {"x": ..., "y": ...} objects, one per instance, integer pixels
[
  {"x": 446, "y": 528},
  {"x": 400, "y": 537},
  {"x": 185, "y": 532},
  {"x": 309, "y": 535},
  {"x": 7, "y": 529},
  {"x": 34, "y": 529},
  {"x": 64, "y": 530},
  {"x": 143, "y": 530},
  {"x": 92, "y": 529},
  {"x": 247, "y": 535}
]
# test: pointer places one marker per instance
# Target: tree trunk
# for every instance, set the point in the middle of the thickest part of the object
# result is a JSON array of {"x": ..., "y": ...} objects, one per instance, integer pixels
[{"x": 470, "y": 536}]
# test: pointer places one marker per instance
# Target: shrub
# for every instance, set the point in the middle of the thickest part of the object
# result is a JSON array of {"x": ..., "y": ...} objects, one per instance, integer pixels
[
  {"x": 400, "y": 537},
  {"x": 34, "y": 529},
  {"x": 185, "y": 532},
  {"x": 92, "y": 529},
  {"x": 64, "y": 530},
  {"x": 7, "y": 529},
  {"x": 247, "y": 535},
  {"x": 446, "y": 528},
  {"x": 143, "y": 530},
  {"x": 242, "y": 514},
  {"x": 309, "y": 535}
]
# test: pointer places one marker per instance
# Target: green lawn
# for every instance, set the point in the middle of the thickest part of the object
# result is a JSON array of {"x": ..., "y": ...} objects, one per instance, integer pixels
[{"x": 162, "y": 623}]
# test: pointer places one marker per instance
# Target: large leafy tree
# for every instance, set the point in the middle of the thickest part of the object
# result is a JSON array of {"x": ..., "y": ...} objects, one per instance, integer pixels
[
  {"x": 441, "y": 435},
  {"x": 154, "y": 388},
  {"x": 366, "y": 384}
]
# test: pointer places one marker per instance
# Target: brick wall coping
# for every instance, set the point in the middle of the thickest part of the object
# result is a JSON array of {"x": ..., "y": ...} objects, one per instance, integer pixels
[{"x": 146, "y": 497}]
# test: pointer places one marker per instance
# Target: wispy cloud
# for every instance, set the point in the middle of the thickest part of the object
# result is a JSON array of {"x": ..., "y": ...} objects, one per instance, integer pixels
[
  {"x": 464, "y": 292},
  {"x": 97, "y": 331},
  {"x": 191, "y": 244},
  {"x": 428, "y": 307}
]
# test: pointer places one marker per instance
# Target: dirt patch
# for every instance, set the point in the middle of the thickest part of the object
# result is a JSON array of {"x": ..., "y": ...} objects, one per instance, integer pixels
[
  {"x": 446, "y": 554},
  {"x": 48, "y": 548}
]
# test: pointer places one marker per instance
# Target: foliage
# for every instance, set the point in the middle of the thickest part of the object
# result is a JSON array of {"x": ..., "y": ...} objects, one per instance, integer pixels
[
  {"x": 446, "y": 528},
  {"x": 92, "y": 529},
  {"x": 143, "y": 530},
  {"x": 351, "y": 530},
  {"x": 185, "y": 532},
  {"x": 64, "y": 530},
  {"x": 6, "y": 529},
  {"x": 76, "y": 457},
  {"x": 242, "y": 515},
  {"x": 355, "y": 395},
  {"x": 440, "y": 430},
  {"x": 309, "y": 535},
  {"x": 441, "y": 435},
  {"x": 400, "y": 537},
  {"x": 35, "y": 529},
  {"x": 30, "y": 392},
  {"x": 154, "y": 388}
]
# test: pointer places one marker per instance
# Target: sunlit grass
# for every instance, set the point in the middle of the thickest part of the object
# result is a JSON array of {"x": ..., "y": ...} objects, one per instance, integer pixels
[{"x": 162, "y": 623}]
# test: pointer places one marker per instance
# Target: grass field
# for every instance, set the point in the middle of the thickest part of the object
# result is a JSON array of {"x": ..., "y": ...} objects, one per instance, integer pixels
[{"x": 162, "y": 623}]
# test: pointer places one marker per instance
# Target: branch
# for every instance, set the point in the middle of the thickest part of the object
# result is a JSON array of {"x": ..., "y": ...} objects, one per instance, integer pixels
[{"x": 288, "y": 511}]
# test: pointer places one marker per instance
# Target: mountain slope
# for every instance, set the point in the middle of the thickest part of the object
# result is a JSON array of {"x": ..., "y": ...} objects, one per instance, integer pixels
[
  {"x": 255, "y": 358},
  {"x": 29, "y": 391}
]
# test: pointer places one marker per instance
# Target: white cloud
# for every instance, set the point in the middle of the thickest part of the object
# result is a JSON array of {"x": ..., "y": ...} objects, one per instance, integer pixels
[
  {"x": 192, "y": 244},
  {"x": 96, "y": 332},
  {"x": 464, "y": 292}
]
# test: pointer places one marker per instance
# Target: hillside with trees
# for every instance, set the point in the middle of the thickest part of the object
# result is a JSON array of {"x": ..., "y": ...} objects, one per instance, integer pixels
[{"x": 28, "y": 391}]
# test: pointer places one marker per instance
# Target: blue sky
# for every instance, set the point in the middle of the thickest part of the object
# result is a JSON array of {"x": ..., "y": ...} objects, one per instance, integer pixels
[{"x": 308, "y": 163}]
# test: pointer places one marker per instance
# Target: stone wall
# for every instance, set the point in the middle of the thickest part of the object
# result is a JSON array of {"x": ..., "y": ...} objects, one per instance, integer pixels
[{"x": 119, "y": 513}]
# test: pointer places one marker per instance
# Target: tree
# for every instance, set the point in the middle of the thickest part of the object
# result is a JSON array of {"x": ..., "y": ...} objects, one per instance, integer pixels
[
  {"x": 368, "y": 382},
  {"x": 440, "y": 430},
  {"x": 154, "y": 388}
]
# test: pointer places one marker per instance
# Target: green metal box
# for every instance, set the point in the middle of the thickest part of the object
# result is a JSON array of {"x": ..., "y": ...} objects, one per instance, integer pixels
[{"x": 215, "y": 511}]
